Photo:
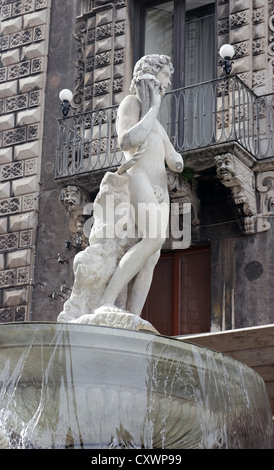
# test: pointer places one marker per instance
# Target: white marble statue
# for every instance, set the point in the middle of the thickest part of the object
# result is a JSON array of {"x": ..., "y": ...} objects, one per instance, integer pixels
[{"x": 114, "y": 273}]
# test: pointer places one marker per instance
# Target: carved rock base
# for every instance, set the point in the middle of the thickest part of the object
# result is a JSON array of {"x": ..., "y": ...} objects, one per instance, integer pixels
[{"x": 115, "y": 318}]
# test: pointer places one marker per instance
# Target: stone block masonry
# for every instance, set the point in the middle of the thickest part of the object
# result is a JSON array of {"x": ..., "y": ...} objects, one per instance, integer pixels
[
  {"x": 102, "y": 34},
  {"x": 23, "y": 65}
]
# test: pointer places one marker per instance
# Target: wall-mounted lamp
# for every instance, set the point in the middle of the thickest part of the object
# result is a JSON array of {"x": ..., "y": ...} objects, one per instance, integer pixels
[
  {"x": 227, "y": 52},
  {"x": 54, "y": 295},
  {"x": 64, "y": 288},
  {"x": 35, "y": 284},
  {"x": 65, "y": 96}
]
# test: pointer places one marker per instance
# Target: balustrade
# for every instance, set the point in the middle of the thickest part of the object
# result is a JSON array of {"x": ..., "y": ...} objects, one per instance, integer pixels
[{"x": 195, "y": 117}]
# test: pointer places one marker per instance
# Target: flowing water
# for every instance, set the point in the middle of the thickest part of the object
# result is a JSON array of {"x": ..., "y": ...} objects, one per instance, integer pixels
[{"x": 79, "y": 386}]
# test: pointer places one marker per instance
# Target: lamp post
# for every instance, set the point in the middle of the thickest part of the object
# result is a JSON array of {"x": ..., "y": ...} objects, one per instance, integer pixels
[
  {"x": 227, "y": 52},
  {"x": 65, "y": 97}
]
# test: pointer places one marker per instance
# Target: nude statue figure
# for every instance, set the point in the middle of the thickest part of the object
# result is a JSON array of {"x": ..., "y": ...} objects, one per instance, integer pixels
[
  {"x": 112, "y": 276},
  {"x": 147, "y": 149}
]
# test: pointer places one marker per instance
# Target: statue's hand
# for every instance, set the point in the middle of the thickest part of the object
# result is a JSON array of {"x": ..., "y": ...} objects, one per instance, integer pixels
[
  {"x": 149, "y": 90},
  {"x": 155, "y": 90}
]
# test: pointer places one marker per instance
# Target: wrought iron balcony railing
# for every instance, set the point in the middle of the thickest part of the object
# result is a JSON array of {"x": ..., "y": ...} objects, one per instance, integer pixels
[
  {"x": 195, "y": 117},
  {"x": 219, "y": 111},
  {"x": 88, "y": 142}
]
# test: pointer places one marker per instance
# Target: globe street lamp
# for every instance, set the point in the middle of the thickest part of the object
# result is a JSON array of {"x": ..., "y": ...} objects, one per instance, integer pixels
[
  {"x": 65, "y": 97},
  {"x": 227, "y": 52}
]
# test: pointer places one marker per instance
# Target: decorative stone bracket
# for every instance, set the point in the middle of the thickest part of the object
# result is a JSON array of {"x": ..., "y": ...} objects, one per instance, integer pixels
[
  {"x": 184, "y": 192},
  {"x": 255, "y": 203},
  {"x": 231, "y": 172},
  {"x": 265, "y": 188},
  {"x": 75, "y": 200},
  {"x": 234, "y": 174}
]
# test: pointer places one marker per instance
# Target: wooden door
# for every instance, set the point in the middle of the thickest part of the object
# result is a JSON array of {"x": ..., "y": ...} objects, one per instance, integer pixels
[
  {"x": 179, "y": 298},
  {"x": 158, "y": 309}
]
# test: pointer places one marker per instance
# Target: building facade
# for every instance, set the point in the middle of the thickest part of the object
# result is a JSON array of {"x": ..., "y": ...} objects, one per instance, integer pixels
[{"x": 51, "y": 167}]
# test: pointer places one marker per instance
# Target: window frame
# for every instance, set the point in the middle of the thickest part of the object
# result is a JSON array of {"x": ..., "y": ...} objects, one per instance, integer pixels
[{"x": 138, "y": 11}]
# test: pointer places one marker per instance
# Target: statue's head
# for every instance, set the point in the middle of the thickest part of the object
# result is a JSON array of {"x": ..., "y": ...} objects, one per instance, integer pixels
[{"x": 150, "y": 66}]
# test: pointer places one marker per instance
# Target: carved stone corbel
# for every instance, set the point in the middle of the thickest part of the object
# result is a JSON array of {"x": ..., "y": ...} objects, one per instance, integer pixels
[
  {"x": 183, "y": 192},
  {"x": 235, "y": 175},
  {"x": 265, "y": 188},
  {"x": 75, "y": 199}
]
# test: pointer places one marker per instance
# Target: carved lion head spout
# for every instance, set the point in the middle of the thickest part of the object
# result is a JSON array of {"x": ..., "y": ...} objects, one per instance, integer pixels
[{"x": 225, "y": 167}]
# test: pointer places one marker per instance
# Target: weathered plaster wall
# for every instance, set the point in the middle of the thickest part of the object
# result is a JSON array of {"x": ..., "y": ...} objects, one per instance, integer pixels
[
  {"x": 53, "y": 227},
  {"x": 242, "y": 265},
  {"x": 254, "y": 263},
  {"x": 242, "y": 270},
  {"x": 242, "y": 291}
]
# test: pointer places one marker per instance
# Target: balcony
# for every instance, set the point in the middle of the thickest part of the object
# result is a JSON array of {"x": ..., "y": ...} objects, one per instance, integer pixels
[
  {"x": 87, "y": 143},
  {"x": 203, "y": 119}
]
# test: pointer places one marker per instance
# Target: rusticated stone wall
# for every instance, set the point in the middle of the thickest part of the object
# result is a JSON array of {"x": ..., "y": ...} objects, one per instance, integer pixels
[
  {"x": 23, "y": 65},
  {"x": 104, "y": 60},
  {"x": 246, "y": 25}
]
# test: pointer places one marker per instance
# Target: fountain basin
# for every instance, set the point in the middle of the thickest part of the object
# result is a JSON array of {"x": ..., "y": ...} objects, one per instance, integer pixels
[{"x": 81, "y": 386}]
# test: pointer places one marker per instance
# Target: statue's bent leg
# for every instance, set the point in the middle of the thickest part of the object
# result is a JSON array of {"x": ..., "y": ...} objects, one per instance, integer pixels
[
  {"x": 131, "y": 263},
  {"x": 152, "y": 223},
  {"x": 141, "y": 285}
]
